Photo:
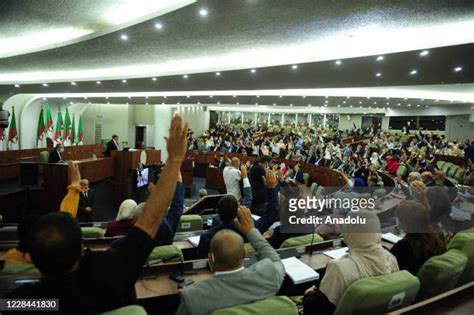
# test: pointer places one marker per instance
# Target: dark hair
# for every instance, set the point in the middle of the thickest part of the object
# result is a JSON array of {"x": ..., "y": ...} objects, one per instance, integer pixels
[
  {"x": 439, "y": 201},
  {"x": 23, "y": 231},
  {"x": 55, "y": 243},
  {"x": 265, "y": 159},
  {"x": 114, "y": 136},
  {"x": 227, "y": 208}
]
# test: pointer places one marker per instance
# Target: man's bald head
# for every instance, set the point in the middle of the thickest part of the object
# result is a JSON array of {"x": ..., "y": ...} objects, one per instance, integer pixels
[
  {"x": 227, "y": 250},
  {"x": 235, "y": 162}
]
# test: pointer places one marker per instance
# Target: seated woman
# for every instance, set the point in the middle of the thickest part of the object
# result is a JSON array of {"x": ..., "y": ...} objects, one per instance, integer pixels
[
  {"x": 421, "y": 241},
  {"x": 19, "y": 255},
  {"x": 124, "y": 221},
  {"x": 366, "y": 258}
]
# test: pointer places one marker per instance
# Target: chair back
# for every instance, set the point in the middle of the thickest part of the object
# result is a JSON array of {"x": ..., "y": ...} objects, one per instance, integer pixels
[
  {"x": 280, "y": 305},
  {"x": 302, "y": 240},
  {"x": 190, "y": 222},
  {"x": 464, "y": 241},
  {"x": 92, "y": 232},
  {"x": 127, "y": 310}
]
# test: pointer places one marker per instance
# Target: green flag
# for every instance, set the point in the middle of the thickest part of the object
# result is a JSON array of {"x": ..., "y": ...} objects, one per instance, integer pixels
[
  {"x": 12, "y": 132},
  {"x": 41, "y": 129},
  {"x": 73, "y": 131},
  {"x": 58, "y": 134},
  {"x": 67, "y": 127},
  {"x": 80, "y": 135},
  {"x": 49, "y": 119}
]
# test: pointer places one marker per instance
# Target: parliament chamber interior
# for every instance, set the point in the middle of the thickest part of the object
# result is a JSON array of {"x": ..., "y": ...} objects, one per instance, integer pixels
[{"x": 237, "y": 157}]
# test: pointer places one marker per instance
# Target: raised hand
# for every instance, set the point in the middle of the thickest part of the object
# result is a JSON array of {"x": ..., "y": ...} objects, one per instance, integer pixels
[
  {"x": 269, "y": 180},
  {"x": 176, "y": 143},
  {"x": 74, "y": 172},
  {"x": 245, "y": 222},
  {"x": 243, "y": 171}
]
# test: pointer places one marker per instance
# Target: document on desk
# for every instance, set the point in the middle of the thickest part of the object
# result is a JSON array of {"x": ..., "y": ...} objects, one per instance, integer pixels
[
  {"x": 194, "y": 240},
  {"x": 390, "y": 237},
  {"x": 298, "y": 271},
  {"x": 336, "y": 253},
  {"x": 255, "y": 217}
]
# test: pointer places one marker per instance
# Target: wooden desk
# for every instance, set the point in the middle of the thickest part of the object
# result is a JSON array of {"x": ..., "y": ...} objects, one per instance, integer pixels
[
  {"x": 458, "y": 160},
  {"x": 215, "y": 178}
]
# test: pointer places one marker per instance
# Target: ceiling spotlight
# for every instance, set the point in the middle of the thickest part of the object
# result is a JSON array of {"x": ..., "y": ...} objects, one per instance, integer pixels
[
  {"x": 154, "y": 79},
  {"x": 338, "y": 105},
  {"x": 146, "y": 103},
  {"x": 294, "y": 67},
  {"x": 409, "y": 105},
  {"x": 344, "y": 102},
  {"x": 379, "y": 58},
  {"x": 187, "y": 96},
  {"x": 17, "y": 85},
  {"x": 203, "y": 12},
  {"x": 309, "y": 105},
  {"x": 413, "y": 72},
  {"x": 146, "y": 97},
  {"x": 256, "y": 104},
  {"x": 291, "y": 104},
  {"x": 98, "y": 82},
  {"x": 258, "y": 96},
  {"x": 45, "y": 84},
  {"x": 218, "y": 73},
  {"x": 218, "y": 103},
  {"x": 457, "y": 69},
  {"x": 280, "y": 96},
  {"x": 124, "y": 81},
  {"x": 360, "y": 102},
  {"x": 123, "y": 37},
  {"x": 417, "y": 105},
  {"x": 158, "y": 26},
  {"x": 326, "y": 102},
  {"x": 253, "y": 70},
  {"x": 338, "y": 62},
  {"x": 73, "y": 83},
  {"x": 387, "y": 103},
  {"x": 185, "y": 76},
  {"x": 234, "y": 96},
  {"x": 211, "y": 96},
  {"x": 378, "y": 74},
  {"x": 45, "y": 98},
  {"x": 304, "y": 96},
  {"x": 398, "y": 104},
  {"x": 375, "y": 102},
  {"x": 424, "y": 53}
]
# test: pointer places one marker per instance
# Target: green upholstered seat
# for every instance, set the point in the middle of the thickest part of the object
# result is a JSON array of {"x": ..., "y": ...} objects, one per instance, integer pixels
[
  {"x": 302, "y": 240},
  {"x": 446, "y": 167},
  {"x": 280, "y": 305},
  {"x": 44, "y": 156},
  {"x": 458, "y": 174},
  {"x": 127, "y": 310},
  {"x": 402, "y": 171},
  {"x": 464, "y": 241},
  {"x": 306, "y": 178},
  {"x": 379, "y": 295},
  {"x": 92, "y": 232},
  {"x": 452, "y": 170},
  {"x": 171, "y": 252},
  {"x": 379, "y": 193},
  {"x": 19, "y": 269},
  {"x": 320, "y": 191},
  {"x": 441, "y": 273},
  {"x": 190, "y": 222},
  {"x": 440, "y": 164},
  {"x": 314, "y": 188}
]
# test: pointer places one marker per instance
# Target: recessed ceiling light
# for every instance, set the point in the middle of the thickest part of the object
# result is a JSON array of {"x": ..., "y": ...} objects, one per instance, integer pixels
[
  {"x": 218, "y": 73},
  {"x": 256, "y": 104},
  {"x": 294, "y": 67},
  {"x": 218, "y": 102},
  {"x": 211, "y": 96},
  {"x": 158, "y": 26},
  {"x": 409, "y": 105},
  {"x": 281, "y": 96},
  {"x": 154, "y": 79},
  {"x": 413, "y": 72},
  {"x": 106, "y": 97},
  {"x": 45, "y": 98},
  {"x": 146, "y": 103},
  {"x": 360, "y": 106},
  {"x": 234, "y": 96},
  {"x": 124, "y": 81},
  {"x": 418, "y": 105},
  {"x": 291, "y": 104},
  {"x": 457, "y": 69},
  {"x": 123, "y": 37},
  {"x": 378, "y": 74},
  {"x": 436, "y": 100},
  {"x": 203, "y": 12},
  {"x": 309, "y": 105},
  {"x": 304, "y": 96},
  {"x": 73, "y": 83},
  {"x": 187, "y": 96},
  {"x": 146, "y": 97},
  {"x": 424, "y": 53},
  {"x": 98, "y": 82},
  {"x": 344, "y": 102},
  {"x": 274, "y": 104},
  {"x": 360, "y": 102},
  {"x": 129, "y": 97},
  {"x": 380, "y": 58},
  {"x": 398, "y": 104},
  {"x": 85, "y": 97},
  {"x": 368, "y": 97},
  {"x": 17, "y": 85},
  {"x": 185, "y": 76},
  {"x": 375, "y": 102},
  {"x": 45, "y": 84},
  {"x": 326, "y": 101},
  {"x": 348, "y": 97},
  {"x": 387, "y": 103},
  {"x": 338, "y": 105},
  {"x": 164, "y": 96},
  {"x": 258, "y": 96},
  {"x": 326, "y": 96},
  {"x": 253, "y": 70}
]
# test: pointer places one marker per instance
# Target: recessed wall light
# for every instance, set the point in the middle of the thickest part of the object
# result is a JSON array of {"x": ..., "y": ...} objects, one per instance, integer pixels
[
  {"x": 294, "y": 67},
  {"x": 124, "y": 81},
  {"x": 378, "y": 74},
  {"x": 338, "y": 62},
  {"x": 380, "y": 58},
  {"x": 73, "y": 83},
  {"x": 253, "y": 70},
  {"x": 218, "y": 73},
  {"x": 413, "y": 72},
  {"x": 123, "y": 37},
  {"x": 424, "y": 53},
  {"x": 203, "y": 12},
  {"x": 98, "y": 82},
  {"x": 457, "y": 69},
  {"x": 158, "y": 26},
  {"x": 45, "y": 84},
  {"x": 17, "y": 85}
]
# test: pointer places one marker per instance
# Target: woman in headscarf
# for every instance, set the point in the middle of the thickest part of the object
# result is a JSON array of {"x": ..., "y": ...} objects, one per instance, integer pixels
[
  {"x": 366, "y": 258},
  {"x": 20, "y": 255},
  {"x": 125, "y": 219}
]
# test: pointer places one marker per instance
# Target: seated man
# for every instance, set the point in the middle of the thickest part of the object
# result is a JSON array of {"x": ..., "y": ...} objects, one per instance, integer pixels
[
  {"x": 227, "y": 211},
  {"x": 233, "y": 284},
  {"x": 97, "y": 281},
  {"x": 57, "y": 154}
]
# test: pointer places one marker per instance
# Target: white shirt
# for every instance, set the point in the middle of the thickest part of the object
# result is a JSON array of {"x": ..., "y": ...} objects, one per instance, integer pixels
[
  {"x": 232, "y": 181},
  {"x": 117, "y": 145},
  {"x": 228, "y": 272}
]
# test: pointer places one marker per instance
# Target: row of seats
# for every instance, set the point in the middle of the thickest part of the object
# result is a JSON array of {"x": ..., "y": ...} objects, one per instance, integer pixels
[{"x": 453, "y": 171}]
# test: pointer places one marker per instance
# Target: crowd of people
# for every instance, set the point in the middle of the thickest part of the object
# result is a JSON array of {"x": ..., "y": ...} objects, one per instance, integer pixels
[{"x": 78, "y": 277}]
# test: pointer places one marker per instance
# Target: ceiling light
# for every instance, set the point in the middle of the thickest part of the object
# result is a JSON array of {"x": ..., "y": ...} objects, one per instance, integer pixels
[
  {"x": 338, "y": 105},
  {"x": 281, "y": 96},
  {"x": 106, "y": 97},
  {"x": 291, "y": 104},
  {"x": 378, "y": 74},
  {"x": 237, "y": 103},
  {"x": 326, "y": 101},
  {"x": 17, "y": 85},
  {"x": 344, "y": 102},
  {"x": 203, "y": 12},
  {"x": 338, "y": 62},
  {"x": 199, "y": 103},
  {"x": 154, "y": 79},
  {"x": 413, "y": 72},
  {"x": 360, "y": 102},
  {"x": 211, "y": 96},
  {"x": 256, "y": 104},
  {"x": 368, "y": 97},
  {"x": 108, "y": 103},
  {"x": 45, "y": 84},
  {"x": 387, "y": 103},
  {"x": 424, "y": 53},
  {"x": 457, "y": 69},
  {"x": 436, "y": 100},
  {"x": 326, "y": 96},
  {"x": 45, "y": 98},
  {"x": 85, "y": 97},
  {"x": 146, "y": 97},
  {"x": 294, "y": 67},
  {"x": 417, "y": 105},
  {"x": 233, "y": 96},
  {"x": 218, "y": 73},
  {"x": 129, "y": 97},
  {"x": 409, "y": 105},
  {"x": 185, "y": 76},
  {"x": 124, "y": 81},
  {"x": 350, "y": 106},
  {"x": 177, "y": 103},
  {"x": 379, "y": 58},
  {"x": 258, "y": 96},
  {"x": 73, "y": 83},
  {"x": 123, "y": 37},
  {"x": 398, "y": 104},
  {"x": 164, "y": 96},
  {"x": 375, "y": 102},
  {"x": 218, "y": 102},
  {"x": 158, "y": 26},
  {"x": 146, "y": 103},
  {"x": 304, "y": 96},
  {"x": 253, "y": 70},
  {"x": 98, "y": 82},
  {"x": 187, "y": 96},
  {"x": 309, "y": 105},
  {"x": 274, "y": 104}
]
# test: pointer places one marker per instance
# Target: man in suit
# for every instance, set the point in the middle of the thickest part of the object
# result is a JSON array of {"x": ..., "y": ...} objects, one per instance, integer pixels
[
  {"x": 86, "y": 202},
  {"x": 232, "y": 283},
  {"x": 297, "y": 175},
  {"x": 112, "y": 145},
  {"x": 56, "y": 155}
]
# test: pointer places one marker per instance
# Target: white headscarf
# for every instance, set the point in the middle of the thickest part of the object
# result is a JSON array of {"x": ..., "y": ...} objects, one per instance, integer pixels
[
  {"x": 367, "y": 258},
  {"x": 126, "y": 210}
]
